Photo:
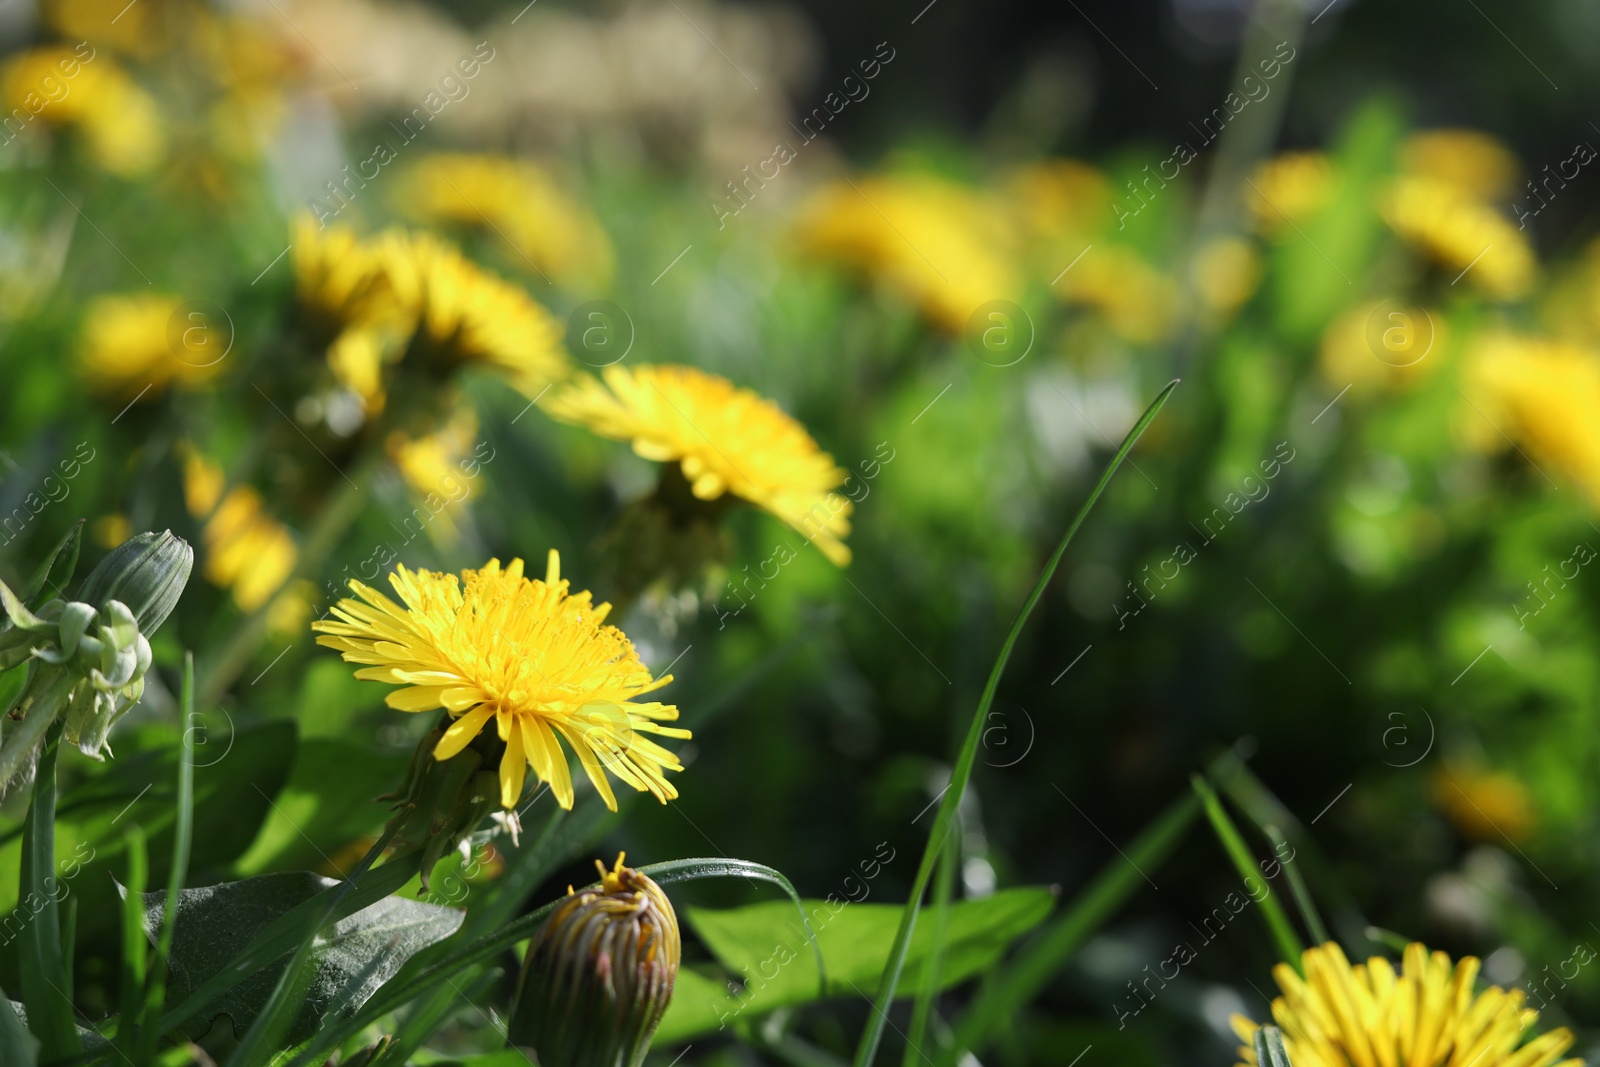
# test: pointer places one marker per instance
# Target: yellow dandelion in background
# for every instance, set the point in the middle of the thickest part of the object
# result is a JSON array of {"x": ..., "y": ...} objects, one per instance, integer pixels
[
  {"x": 727, "y": 440},
  {"x": 1289, "y": 188},
  {"x": 529, "y": 655},
  {"x": 132, "y": 30},
  {"x": 1544, "y": 394},
  {"x": 119, "y": 121},
  {"x": 1474, "y": 163},
  {"x": 125, "y": 346},
  {"x": 1226, "y": 273},
  {"x": 464, "y": 315},
  {"x": 1060, "y": 199},
  {"x": 243, "y": 548},
  {"x": 941, "y": 246},
  {"x": 339, "y": 280},
  {"x": 1134, "y": 298},
  {"x": 1462, "y": 234},
  {"x": 1484, "y": 805},
  {"x": 431, "y": 463},
  {"x": 1428, "y": 1015},
  {"x": 513, "y": 200},
  {"x": 1383, "y": 345}
]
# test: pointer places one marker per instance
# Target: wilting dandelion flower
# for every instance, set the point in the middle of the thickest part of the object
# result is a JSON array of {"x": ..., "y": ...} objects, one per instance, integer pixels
[
  {"x": 599, "y": 973},
  {"x": 464, "y": 316},
  {"x": 528, "y": 656},
  {"x": 1473, "y": 162},
  {"x": 1427, "y": 1015},
  {"x": 125, "y": 346},
  {"x": 1288, "y": 189},
  {"x": 514, "y": 200},
  {"x": 1461, "y": 233},
  {"x": 244, "y": 549},
  {"x": 119, "y": 121},
  {"x": 939, "y": 245},
  {"x": 726, "y": 439},
  {"x": 1545, "y": 394}
]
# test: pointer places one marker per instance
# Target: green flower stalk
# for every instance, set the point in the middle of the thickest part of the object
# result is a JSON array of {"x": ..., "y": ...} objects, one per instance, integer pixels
[
  {"x": 598, "y": 975},
  {"x": 442, "y": 802},
  {"x": 90, "y": 654}
]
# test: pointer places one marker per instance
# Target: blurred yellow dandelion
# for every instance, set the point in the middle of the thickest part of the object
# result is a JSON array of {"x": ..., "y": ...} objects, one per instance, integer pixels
[
  {"x": 1289, "y": 188},
  {"x": 1542, "y": 393},
  {"x": 243, "y": 548},
  {"x": 514, "y": 200},
  {"x": 463, "y": 315},
  {"x": 727, "y": 440},
  {"x": 527, "y": 654},
  {"x": 1484, "y": 805},
  {"x": 1474, "y": 163},
  {"x": 125, "y": 348},
  {"x": 1226, "y": 273},
  {"x": 1462, "y": 234},
  {"x": 1427, "y": 1015},
  {"x": 1382, "y": 345},
  {"x": 120, "y": 123},
  {"x": 1061, "y": 199},
  {"x": 941, "y": 246},
  {"x": 1135, "y": 299}
]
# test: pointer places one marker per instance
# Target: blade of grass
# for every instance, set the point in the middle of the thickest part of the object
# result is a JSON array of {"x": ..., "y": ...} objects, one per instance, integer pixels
[
  {"x": 46, "y": 988},
  {"x": 1004, "y": 995},
  {"x": 1269, "y": 1048},
  {"x": 943, "y": 885},
  {"x": 1272, "y": 912},
  {"x": 69, "y": 937},
  {"x": 1298, "y": 888},
  {"x": 867, "y": 1050},
  {"x": 155, "y": 991},
  {"x": 135, "y": 944}
]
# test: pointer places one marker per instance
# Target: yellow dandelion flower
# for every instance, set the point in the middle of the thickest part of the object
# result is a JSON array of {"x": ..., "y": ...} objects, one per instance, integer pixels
[
  {"x": 464, "y": 315},
  {"x": 1462, "y": 234},
  {"x": 1382, "y": 345},
  {"x": 125, "y": 346},
  {"x": 1289, "y": 188},
  {"x": 339, "y": 279},
  {"x": 1544, "y": 394},
  {"x": 119, "y": 121},
  {"x": 1484, "y": 805},
  {"x": 529, "y": 655},
  {"x": 514, "y": 200},
  {"x": 941, "y": 246},
  {"x": 432, "y": 463},
  {"x": 1473, "y": 162},
  {"x": 134, "y": 31},
  {"x": 1428, "y": 1015},
  {"x": 727, "y": 440},
  {"x": 1135, "y": 298},
  {"x": 1061, "y": 199},
  {"x": 244, "y": 549},
  {"x": 1226, "y": 273}
]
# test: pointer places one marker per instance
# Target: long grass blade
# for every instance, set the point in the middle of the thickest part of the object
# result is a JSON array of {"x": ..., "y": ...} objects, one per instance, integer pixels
[
  {"x": 943, "y": 886},
  {"x": 1298, "y": 888},
  {"x": 182, "y": 840},
  {"x": 1000, "y": 999},
  {"x": 867, "y": 1050},
  {"x": 135, "y": 944},
  {"x": 46, "y": 988},
  {"x": 1272, "y": 912}
]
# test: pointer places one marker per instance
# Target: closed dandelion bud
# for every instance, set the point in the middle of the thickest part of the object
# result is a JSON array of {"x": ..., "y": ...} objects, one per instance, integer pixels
[
  {"x": 147, "y": 572},
  {"x": 598, "y": 975},
  {"x": 93, "y": 652}
]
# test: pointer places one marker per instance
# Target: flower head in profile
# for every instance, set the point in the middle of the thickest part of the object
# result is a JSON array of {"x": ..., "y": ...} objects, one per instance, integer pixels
[
  {"x": 726, "y": 439},
  {"x": 1427, "y": 1015},
  {"x": 526, "y": 659},
  {"x": 1461, "y": 233},
  {"x": 462, "y": 315},
  {"x": 513, "y": 199},
  {"x": 939, "y": 245}
]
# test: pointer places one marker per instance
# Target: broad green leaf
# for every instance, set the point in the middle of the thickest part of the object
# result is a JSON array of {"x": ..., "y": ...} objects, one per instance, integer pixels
[
  {"x": 355, "y": 956},
  {"x": 17, "y": 1046},
  {"x": 329, "y": 800},
  {"x": 867, "y": 1049},
  {"x": 764, "y": 947}
]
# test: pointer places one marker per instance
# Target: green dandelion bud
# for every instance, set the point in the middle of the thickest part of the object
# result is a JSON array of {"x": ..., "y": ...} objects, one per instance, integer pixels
[
  {"x": 598, "y": 975},
  {"x": 91, "y": 653}
]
